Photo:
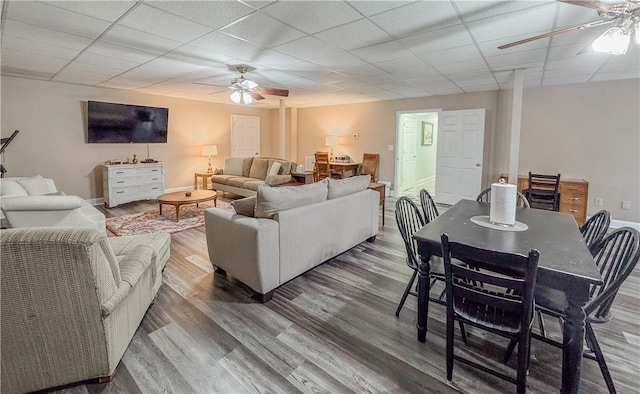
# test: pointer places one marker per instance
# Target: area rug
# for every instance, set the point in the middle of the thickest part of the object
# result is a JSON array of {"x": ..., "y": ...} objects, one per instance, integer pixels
[{"x": 152, "y": 222}]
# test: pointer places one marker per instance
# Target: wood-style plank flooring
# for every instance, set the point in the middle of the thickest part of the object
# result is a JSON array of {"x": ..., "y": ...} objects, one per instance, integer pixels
[{"x": 330, "y": 330}]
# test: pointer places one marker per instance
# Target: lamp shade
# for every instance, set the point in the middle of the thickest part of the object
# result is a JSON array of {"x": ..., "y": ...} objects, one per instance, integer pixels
[
  {"x": 331, "y": 140},
  {"x": 210, "y": 150},
  {"x": 614, "y": 41}
]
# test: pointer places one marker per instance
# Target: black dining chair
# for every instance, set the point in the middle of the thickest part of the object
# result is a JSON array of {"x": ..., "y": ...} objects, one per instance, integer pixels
[
  {"x": 492, "y": 306},
  {"x": 616, "y": 256},
  {"x": 594, "y": 229},
  {"x": 543, "y": 191},
  {"x": 485, "y": 196},
  {"x": 429, "y": 209},
  {"x": 410, "y": 220}
]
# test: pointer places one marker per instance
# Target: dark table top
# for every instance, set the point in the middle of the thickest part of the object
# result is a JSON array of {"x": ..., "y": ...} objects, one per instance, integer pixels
[{"x": 563, "y": 252}]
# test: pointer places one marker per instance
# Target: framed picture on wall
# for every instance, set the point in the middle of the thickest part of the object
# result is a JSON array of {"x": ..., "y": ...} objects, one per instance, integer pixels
[{"x": 427, "y": 133}]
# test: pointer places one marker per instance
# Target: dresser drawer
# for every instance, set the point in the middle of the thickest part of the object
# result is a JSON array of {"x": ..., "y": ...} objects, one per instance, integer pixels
[
  {"x": 573, "y": 197},
  {"x": 577, "y": 210}
]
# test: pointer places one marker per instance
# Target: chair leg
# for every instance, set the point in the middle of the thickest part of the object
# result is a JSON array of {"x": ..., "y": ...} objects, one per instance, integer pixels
[
  {"x": 406, "y": 292},
  {"x": 450, "y": 323},
  {"x": 463, "y": 333},
  {"x": 599, "y": 357},
  {"x": 510, "y": 349},
  {"x": 543, "y": 331},
  {"x": 523, "y": 362}
]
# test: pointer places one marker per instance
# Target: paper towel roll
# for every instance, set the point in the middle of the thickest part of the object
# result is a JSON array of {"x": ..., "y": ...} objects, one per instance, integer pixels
[{"x": 503, "y": 203}]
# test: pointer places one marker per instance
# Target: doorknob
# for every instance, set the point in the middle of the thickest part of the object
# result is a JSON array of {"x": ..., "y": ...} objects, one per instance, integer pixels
[{"x": 477, "y": 164}]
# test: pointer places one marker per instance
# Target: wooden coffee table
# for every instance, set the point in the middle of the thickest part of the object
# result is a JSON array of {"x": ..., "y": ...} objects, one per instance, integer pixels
[{"x": 180, "y": 198}]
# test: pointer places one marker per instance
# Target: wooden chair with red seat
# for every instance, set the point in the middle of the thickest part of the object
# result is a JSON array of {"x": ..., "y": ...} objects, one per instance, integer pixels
[{"x": 321, "y": 167}]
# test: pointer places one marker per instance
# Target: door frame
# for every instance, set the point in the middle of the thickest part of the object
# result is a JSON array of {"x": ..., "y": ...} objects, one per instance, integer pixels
[{"x": 397, "y": 177}]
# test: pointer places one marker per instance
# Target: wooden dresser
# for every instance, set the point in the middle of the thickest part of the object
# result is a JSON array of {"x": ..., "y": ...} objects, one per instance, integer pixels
[{"x": 574, "y": 194}]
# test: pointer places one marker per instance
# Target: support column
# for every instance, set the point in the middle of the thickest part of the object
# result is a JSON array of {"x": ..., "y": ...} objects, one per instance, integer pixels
[
  {"x": 281, "y": 134},
  {"x": 516, "y": 122},
  {"x": 294, "y": 135}
]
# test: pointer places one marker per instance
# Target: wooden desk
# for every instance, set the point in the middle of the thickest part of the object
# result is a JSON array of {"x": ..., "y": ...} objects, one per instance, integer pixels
[
  {"x": 340, "y": 168},
  {"x": 565, "y": 264},
  {"x": 574, "y": 194},
  {"x": 380, "y": 188},
  {"x": 205, "y": 179}
]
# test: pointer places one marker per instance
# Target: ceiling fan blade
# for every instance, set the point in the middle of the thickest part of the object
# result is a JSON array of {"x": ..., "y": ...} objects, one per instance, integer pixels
[
  {"x": 272, "y": 91},
  {"x": 600, "y": 5},
  {"x": 256, "y": 96},
  {"x": 206, "y": 84},
  {"x": 556, "y": 32}
]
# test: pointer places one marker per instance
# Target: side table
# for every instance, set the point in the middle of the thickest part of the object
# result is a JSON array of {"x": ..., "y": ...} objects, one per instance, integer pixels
[
  {"x": 205, "y": 179},
  {"x": 380, "y": 188}
]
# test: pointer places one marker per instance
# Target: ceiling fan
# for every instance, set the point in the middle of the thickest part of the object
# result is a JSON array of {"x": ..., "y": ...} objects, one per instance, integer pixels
[
  {"x": 244, "y": 90},
  {"x": 615, "y": 40}
]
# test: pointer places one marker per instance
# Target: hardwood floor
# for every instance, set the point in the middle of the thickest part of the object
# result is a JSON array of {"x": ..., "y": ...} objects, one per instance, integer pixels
[{"x": 331, "y": 330}]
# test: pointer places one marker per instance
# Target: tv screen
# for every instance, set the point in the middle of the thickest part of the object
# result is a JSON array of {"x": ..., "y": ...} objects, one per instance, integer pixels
[{"x": 122, "y": 123}]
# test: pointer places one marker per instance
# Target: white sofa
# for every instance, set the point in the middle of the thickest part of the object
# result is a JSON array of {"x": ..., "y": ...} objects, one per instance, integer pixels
[
  {"x": 36, "y": 202},
  {"x": 266, "y": 252}
]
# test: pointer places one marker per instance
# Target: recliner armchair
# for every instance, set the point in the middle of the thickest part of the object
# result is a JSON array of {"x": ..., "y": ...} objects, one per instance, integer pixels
[{"x": 72, "y": 300}]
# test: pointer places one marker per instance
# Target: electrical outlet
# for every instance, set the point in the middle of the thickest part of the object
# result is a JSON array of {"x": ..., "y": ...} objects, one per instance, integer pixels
[
  {"x": 389, "y": 147},
  {"x": 356, "y": 135},
  {"x": 598, "y": 202},
  {"x": 626, "y": 205}
]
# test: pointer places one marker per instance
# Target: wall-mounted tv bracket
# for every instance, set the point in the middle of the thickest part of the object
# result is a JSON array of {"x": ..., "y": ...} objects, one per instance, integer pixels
[{"x": 3, "y": 145}]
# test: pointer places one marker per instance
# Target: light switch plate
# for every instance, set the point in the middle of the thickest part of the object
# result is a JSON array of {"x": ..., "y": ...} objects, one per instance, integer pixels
[
  {"x": 626, "y": 205},
  {"x": 390, "y": 147},
  {"x": 598, "y": 202}
]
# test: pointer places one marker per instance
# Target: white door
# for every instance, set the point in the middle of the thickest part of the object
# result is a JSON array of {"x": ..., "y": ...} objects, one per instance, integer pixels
[
  {"x": 408, "y": 155},
  {"x": 459, "y": 155},
  {"x": 245, "y": 136}
]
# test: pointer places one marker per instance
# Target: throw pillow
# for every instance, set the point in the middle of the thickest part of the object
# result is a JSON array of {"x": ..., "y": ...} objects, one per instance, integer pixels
[
  {"x": 342, "y": 187},
  {"x": 218, "y": 171},
  {"x": 10, "y": 187},
  {"x": 274, "y": 180},
  {"x": 35, "y": 186},
  {"x": 56, "y": 194},
  {"x": 233, "y": 166},
  {"x": 274, "y": 169},
  {"x": 245, "y": 206},
  {"x": 271, "y": 200},
  {"x": 259, "y": 168}
]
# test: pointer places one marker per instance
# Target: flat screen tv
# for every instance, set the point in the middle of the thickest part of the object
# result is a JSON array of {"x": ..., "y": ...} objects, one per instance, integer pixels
[{"x": 123, "y": 123}]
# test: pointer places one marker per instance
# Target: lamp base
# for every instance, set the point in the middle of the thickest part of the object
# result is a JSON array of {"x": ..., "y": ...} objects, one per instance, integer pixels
[{"x": 209, "y": 169}]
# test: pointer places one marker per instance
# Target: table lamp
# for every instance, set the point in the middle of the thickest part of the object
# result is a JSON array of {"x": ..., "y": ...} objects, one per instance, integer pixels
[
  {"x": 331, "y": 141},
  {"x": 209, "y": 150}
]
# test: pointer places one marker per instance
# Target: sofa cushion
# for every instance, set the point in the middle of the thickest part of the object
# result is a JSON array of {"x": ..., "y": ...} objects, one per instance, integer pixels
[
  {"x": 274, "y": 180},
  {"x": 342, "y": 187},
  {"x": 238, "y": 181},
  {"x": 245, "y": 206},
  {"x": 11, "y": 187},
  {"x": 274, "y": 168},
  {"x": 233, "y": 166},
  {"x": 253, "y": 184},
  {"x": 246, "y": 166},
  {"x": 259, "y": 168},
  {"x": 285, "y": 166},
  {"x": 271, "y": 200},
  {"x": 36, "y": 185},
  {"x": 222, "y": 178}
]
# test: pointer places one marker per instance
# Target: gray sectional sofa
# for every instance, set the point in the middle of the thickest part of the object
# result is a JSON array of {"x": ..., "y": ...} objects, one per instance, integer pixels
[
  {"x": 243, "y": 175},
  {"x": 295, "y": 228}
]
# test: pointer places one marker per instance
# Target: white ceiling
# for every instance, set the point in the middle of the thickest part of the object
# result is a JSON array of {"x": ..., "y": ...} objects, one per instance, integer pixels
[{"x": 324, "y": 52}]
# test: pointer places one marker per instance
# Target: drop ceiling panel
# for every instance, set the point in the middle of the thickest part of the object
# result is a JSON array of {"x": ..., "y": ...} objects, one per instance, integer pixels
[
  {"x": 354, "y": 35},
  {"x": 531, "y": 21},
  {"x": 369, "y": 8},
  {"x": 588, "y": 59},
  {"x": 195, "y": 55},
  {"x": 135, "y": 39},
  {"x": 307, "y": 48},
  {"x": 417, "y": 17},
  {"x": 227, "y": 45},
  {"x": 270, "y": 58},
  {"x": 312, "y": 16},
  {"x": 102, "y": 69},
  {"x": 38, "y": 48},
  {"x": 363, "y": 71},
  {"x": 452, "y": 55},
  {"x": 401, "y": 65},
  {"x": 490, "y": 48},
  {"x": 99, "y": 60},
  {"x": 461, "y": 67},
  {"x": 338, "y": 61},
  {"x": 610, "y": 76},
  {"x": 567, "y": 79},
  {"x": 381, "y": 52},
  {"x": 571, "y": 14},
  {"x": 54, "y": 18},
  {"x": 31, "y": 61},
  {"x": 215, "y": 14},
  {"x": 263, "y": 30},
  {"x": 81, "y": 77},
  {"x": 160, "y": 23},
  {"x": 475, "y": 10},
  {"x": 109, "y": 11},
  {"x": 437, "y": 40},
  {"x": 517, "y": 60},
  {"x": 46, "y": 36},
  {"x": 120, "y": 52}
]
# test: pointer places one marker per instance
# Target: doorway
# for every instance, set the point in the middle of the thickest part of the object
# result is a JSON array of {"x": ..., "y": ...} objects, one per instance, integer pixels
[
  {"x": 416, "y": 152},
  {"x": 245, "y": 136}
]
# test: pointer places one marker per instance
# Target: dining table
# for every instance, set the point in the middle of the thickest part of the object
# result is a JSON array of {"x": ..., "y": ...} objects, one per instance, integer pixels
[
  {"x": 565, "y": 264},
  {"x": 341, "y": 168}
]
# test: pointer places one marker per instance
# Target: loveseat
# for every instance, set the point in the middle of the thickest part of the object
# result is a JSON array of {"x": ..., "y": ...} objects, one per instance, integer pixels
[
  {"x": 36, "y": 202},
  {"x": 72, "y": 299},
  {"x": 295, "y": 228},
  {"x": 243, "y": 175}
]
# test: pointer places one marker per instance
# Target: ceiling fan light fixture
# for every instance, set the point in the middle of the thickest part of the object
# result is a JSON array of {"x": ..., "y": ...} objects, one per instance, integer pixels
[
  {"x": 246, "y": 97},
  {"x": 637, "y": 32},
  {"x": 614, "y": 41},
  {"x": 236, "y": 97}
]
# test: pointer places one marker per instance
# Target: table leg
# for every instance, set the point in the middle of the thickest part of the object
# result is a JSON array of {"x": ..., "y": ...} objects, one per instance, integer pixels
[
  {"x": 177, "y": 212},
  {"x": 423, "y": 297},
  {"x": 195, "y": 182},
  {"x": 160, "y": 208},
  {"x": 573, "y": 337},
  {"x": 215, "y": 201}
]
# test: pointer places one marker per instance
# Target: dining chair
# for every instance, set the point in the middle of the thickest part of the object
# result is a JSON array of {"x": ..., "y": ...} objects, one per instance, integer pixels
[
  {"x": 616, "y": 257},
  {"x": 490, "y": 306},
  {"x": 410, "y": 220},
  {"x": 321, "y": 167},
  {"x": 485, "y": 196},
  {"x": 429, "y": 209},
  {"x": 594, "y": 229},
  {"x": 369, "y": 165},
  {"x": 542, "y": 191}
]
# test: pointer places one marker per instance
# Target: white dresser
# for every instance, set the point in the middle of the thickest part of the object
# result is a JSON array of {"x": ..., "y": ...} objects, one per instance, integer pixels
[{"x": 124, "y": 183}]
